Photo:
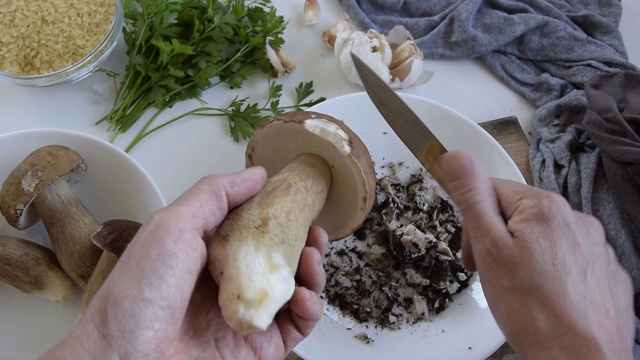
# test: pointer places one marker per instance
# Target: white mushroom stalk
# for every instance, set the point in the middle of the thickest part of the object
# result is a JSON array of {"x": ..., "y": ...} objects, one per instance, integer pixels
[
  {"x": 319, "y": 172},
  {"x": 280, "y": 62},
  {"x": 312, "y": 12},
  {"x": 395, "y": 58}
]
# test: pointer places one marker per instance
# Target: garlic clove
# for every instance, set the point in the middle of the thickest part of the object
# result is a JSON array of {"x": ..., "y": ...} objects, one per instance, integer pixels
[
  {"x": 403, "y": 52},
  {"x": 311, "y": 12},
  {"x": 415, "y": 75},
  {"x": 402, "y": 71},
  {"x": 331, "y": 34},
  {"x": 281, "y": 64},
  {"x": 288, "y": 64}
]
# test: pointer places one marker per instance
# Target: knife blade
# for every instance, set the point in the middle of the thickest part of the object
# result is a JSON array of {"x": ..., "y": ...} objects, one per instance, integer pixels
[{"x": 424, "y": 145}]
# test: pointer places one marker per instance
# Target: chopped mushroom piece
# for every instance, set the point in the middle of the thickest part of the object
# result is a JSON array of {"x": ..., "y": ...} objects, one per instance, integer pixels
[
  {"x": 33, "y": 269},
  {"x": 319, "y": 172},
  {"x": 43, "y": 179}
]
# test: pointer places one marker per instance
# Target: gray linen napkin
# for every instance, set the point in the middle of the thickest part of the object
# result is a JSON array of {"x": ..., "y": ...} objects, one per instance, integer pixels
[{"x": 546, "y": 51}]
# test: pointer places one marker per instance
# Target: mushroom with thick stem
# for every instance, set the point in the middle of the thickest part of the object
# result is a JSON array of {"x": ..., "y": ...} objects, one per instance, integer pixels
[
  {"x": 43, "y": 179},
  {"x": 319, "y": 172},
  {"x": 33, "y": 269},
  {"x": 113, "y": 236}
]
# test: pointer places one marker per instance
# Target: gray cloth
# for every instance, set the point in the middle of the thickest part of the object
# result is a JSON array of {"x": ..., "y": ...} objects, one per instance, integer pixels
[{"x": 546, "y": 51}]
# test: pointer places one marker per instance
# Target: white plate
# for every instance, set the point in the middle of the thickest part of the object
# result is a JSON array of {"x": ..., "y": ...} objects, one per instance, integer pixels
[
  {"x": 466, "y": 330},
  {"x": 115, "y": 186}
]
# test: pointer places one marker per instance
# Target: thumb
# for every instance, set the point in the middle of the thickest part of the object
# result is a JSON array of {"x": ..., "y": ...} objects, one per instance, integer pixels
[{"x": 472, "y": 191}]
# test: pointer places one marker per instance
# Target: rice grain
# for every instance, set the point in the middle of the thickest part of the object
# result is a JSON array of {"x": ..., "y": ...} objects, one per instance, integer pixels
[{"x": 44, "y": 36}]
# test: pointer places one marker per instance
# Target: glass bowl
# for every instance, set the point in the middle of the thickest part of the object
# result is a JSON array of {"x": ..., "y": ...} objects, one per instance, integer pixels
[{"x": 80, "y": 69}]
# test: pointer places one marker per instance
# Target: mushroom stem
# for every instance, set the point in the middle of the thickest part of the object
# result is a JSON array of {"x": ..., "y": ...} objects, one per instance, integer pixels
[
  {"x": 106, "y": 263},
  {"x": 254, "y": 254},
  {"x": 33, "y": 269},
  {"x": 70, "y": 226}
]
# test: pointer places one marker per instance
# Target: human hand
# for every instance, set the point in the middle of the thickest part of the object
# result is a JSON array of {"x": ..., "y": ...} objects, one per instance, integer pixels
[
  {"x": 552, "y": 282},
  {"x": 158, "y": 303}
]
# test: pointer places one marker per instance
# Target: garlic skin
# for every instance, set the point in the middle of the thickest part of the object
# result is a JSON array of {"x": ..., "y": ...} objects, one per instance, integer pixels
[
  {"x": 280, "y": 62},
  {"x": 312, "y": 12},
  {"x": 396, "y": 58}
]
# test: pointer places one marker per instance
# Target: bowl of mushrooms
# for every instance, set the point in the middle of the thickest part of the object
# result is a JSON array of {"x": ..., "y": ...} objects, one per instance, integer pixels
[{"x": 58, "y": 188}]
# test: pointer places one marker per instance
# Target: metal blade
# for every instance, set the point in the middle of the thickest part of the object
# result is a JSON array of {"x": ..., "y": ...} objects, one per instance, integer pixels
[{"x": 404, "y": 122}]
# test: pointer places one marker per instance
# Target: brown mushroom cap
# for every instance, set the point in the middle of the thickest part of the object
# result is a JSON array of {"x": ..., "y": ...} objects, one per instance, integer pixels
[
  {"x": 352, "y": 193},
  {"x": 37, "y": 171},
  {"x": 114, "y": 235}
]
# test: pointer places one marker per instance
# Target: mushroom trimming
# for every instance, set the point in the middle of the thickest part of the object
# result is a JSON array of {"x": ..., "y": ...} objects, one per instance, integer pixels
[
  {"x": 319, "y": 172},
  {"x": 33, "y": 269},
  {"x": 39, "y": 188}
]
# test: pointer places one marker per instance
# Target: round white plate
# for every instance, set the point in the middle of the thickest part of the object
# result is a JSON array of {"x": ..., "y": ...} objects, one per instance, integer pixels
[
  {"x": 466, "y": 330},
  {"x": 115, "y": 186}
]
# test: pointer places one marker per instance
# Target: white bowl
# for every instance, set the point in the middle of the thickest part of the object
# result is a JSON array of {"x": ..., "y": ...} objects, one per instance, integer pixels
[{"x": 115, "y": 186}]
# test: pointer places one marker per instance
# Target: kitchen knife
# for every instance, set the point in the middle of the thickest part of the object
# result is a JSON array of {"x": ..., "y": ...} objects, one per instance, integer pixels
[{"x": 404, "y": 122}]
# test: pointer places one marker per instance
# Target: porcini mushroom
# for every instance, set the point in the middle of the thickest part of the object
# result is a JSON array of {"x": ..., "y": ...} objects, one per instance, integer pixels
[
  {"x": 112, "y": 237},
  {"x": 319, "y": 172},
  {"x": 43, "y": 179},
  {"x": 33, "y": 269}
]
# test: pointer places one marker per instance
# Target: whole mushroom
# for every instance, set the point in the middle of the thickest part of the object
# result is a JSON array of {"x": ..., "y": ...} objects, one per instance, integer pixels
[
  {"x": 39, "y": 188},
  {"x": 33, "y": 269},
  {"x": 319, "y": 172}
]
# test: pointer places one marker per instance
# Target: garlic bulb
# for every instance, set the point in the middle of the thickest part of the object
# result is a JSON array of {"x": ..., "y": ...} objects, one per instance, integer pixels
[
  {"x": 371, "y": 47},
  {"x": 396, "y": 58}
]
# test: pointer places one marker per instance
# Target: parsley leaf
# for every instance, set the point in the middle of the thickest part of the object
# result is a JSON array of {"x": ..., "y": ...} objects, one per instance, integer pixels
[
  {"x": 179, "y": 48},
  {"x": 245, "y": 117}
]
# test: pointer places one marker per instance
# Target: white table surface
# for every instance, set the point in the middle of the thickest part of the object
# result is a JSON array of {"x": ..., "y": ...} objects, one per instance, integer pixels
[{"x": 180, "y": 154}]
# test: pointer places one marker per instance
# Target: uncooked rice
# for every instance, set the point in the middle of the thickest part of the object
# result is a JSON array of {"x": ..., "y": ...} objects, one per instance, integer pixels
[{"x": 43, "y": 36}]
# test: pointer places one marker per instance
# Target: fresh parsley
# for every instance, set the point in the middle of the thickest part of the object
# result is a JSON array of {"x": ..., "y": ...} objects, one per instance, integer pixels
[
  {"x": 243, "y": 116},
  {"x": 179, "y": 48}
]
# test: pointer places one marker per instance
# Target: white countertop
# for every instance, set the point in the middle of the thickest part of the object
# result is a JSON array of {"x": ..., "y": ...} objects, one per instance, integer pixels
[{"x": 178, "y": 155}]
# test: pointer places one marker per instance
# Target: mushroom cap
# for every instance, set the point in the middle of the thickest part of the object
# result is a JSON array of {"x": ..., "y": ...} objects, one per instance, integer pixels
[
  {"x": 38, "y": 170},
  {"x": 114, "y": 235},
  {"x": 353, "y": 187}
]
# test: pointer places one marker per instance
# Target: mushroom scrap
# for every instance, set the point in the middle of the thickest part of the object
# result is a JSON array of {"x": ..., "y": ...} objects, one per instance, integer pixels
[{"x": 319, "y": 172}]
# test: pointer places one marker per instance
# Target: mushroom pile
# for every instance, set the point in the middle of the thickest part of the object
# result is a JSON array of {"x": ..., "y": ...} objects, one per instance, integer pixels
[
  {"x": 319, "y": 172},
  {"x": 39, "y": 188}
]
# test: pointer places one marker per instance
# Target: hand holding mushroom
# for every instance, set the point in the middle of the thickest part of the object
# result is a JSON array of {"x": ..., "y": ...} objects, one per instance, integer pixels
[
  {"x": 160, "y": 301},
  {"x": 320, "y": 172}
]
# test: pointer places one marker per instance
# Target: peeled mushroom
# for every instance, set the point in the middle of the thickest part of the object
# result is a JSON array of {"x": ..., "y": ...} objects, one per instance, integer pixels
[
  {"x": 39, "y": 188},
  {"x": 320, "y": 172},
  {"x": 33, "y": 269}
]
